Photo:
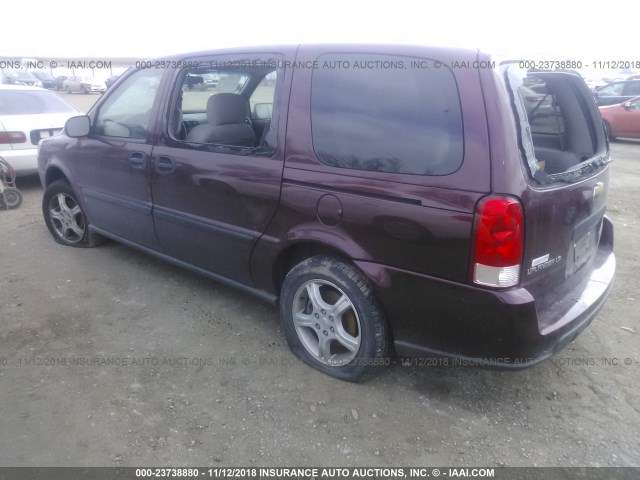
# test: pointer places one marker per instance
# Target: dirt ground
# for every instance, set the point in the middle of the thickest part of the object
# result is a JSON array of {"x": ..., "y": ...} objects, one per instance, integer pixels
[{"x": 171, "y": 369}]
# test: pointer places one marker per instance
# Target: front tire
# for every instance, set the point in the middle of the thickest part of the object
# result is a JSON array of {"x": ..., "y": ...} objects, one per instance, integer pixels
[
  {"x": 64, "y": 217},
  {"x": 68, "y": 90},
  {"x": 12, "y": 197},
  {"x": 607, "y": 131},
  {"x": 332, "y": 320}
]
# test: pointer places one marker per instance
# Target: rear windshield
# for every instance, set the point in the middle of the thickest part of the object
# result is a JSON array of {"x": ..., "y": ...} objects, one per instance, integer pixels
[
  {"x": 30, "y": 102},
  {"x": 559, "y": 126}
]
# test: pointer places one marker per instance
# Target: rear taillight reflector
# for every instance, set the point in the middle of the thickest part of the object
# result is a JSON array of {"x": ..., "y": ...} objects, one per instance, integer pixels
[
  {"x": 12, "y": 137},
  {"x": 499, "y": 238}
]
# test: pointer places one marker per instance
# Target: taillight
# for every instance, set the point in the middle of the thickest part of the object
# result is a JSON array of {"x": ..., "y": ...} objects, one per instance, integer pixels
[
  {"x": 12, "y": 137},
  {"x": 499, "y": 237}
]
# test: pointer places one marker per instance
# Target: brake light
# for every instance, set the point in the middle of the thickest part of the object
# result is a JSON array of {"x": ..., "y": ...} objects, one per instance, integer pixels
[
  {"x": 499, "y": 238},
  {"x": 12, "y": 137}
]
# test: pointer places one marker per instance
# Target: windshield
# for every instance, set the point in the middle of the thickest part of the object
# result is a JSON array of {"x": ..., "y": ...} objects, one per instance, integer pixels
[
  {"x": 43, "y": 75},
  {"x": 31, "y": 102},
  {"x": 23, "y": 76},
  {"x": 560, "y": 130}
]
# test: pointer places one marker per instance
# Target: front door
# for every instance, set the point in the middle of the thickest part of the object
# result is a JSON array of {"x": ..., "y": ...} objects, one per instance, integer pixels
[{"x": 113, "y": 162}]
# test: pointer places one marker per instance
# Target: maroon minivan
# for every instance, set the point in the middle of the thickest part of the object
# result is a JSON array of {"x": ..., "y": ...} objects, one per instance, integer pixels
[{"x": 391, "y": 199}]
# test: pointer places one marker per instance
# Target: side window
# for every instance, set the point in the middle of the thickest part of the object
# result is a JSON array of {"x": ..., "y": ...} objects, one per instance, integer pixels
[
  {"x": 386, "y": 114},
  {"x": 261, "y": 103},
  {"x": 632, "y": 89},
  {"x": 261, "y": 100},
  {"x": 613, "y": 90},
  {"x": 229, "y": 108},
  {"x": 126, "y": 113}
]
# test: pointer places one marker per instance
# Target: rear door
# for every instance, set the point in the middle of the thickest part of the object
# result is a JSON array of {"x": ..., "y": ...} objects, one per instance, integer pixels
[{"x": 216, "y": 173}]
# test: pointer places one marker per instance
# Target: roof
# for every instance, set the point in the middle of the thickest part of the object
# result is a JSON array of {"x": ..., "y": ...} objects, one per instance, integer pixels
[{"x": 21, "y": 87}]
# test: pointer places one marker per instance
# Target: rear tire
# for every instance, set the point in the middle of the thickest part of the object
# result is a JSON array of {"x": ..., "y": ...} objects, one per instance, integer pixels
[
  {"x": 68, "y": 90},
  {"x": 65, "y": 219},
  {"x": 332, "y": 320}
]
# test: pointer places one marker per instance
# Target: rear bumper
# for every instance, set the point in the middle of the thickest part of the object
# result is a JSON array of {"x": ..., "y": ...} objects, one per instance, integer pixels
[
  {"x": 430, "y": 317},
  {"x": 24, "y": 162}
]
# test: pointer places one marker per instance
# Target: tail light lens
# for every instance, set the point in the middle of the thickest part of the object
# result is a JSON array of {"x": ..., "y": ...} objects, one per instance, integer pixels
[
  {"x": 499, "y": 237},
  {"x": 12, "y": 137}
]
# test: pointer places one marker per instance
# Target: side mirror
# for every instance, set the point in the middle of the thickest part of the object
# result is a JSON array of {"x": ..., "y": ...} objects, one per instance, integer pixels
[
  {"x": 627, "y": 106},
  {"x": 77, "y": 127}
]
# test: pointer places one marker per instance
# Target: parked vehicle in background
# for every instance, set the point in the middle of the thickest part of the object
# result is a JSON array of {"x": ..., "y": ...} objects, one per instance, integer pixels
[
  {"x": 388, "y": 205},
  {"x": 59, "y": 82},
  {"x": 27, "y": 115},
  {"x": 19, "y": 77},
  {"x": 617, "y": 92},
  {"x": 84, "y": 85},
  {"x": 595, "y": 83},
  {"x": 45, "y": 78},
  {"x": 111, "y": 80},
  {"x": 210, "y": 80},
  {"x": 622, "y": 120}
]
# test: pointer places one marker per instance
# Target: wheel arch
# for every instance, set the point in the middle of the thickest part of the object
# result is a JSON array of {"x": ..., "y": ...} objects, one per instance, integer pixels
[
  {"x": 297, "y": 252},
  {"x": 53, "y": 174},
  {"x": 607, "y": 130}
]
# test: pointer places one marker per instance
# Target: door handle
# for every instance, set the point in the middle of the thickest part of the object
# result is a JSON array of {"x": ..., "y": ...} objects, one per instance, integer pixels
[
  {"x": 138, "y": 160},
  {"x": 165, "y": 165}
]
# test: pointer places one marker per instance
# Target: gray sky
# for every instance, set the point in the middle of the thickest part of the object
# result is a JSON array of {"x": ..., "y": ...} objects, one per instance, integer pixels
[{"x": 563, "y": 30}]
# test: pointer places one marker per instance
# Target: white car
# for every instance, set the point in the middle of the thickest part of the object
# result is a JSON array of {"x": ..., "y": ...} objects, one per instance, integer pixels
[
  {"x": 84, "y": 85},
  {"x": 27, "y": 115}
]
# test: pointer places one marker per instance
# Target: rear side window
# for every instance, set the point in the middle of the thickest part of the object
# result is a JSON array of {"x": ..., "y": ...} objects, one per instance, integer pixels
[{"x": 386, "y": 113}]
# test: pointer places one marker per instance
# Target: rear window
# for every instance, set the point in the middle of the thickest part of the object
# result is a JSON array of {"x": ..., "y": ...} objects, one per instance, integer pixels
[
  {"x": 386, "y": 113},
  {"x": 559, "y": 124},
  {"x": 31, "y": 102}
]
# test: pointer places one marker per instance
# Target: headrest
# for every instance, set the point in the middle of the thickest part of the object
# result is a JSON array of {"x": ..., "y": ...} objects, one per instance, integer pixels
[{"x": 226, "y": 108}]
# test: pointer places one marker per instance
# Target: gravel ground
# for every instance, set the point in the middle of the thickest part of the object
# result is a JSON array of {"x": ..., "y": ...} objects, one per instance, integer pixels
[{"x": 171, "y": 369}]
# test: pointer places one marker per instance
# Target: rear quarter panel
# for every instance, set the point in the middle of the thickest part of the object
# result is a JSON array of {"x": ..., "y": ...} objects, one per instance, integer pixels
[{"x": 411, "y": 222}]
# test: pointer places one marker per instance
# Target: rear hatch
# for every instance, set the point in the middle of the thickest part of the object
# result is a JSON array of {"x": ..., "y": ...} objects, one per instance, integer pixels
[{"x": 567, "y": 158}]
